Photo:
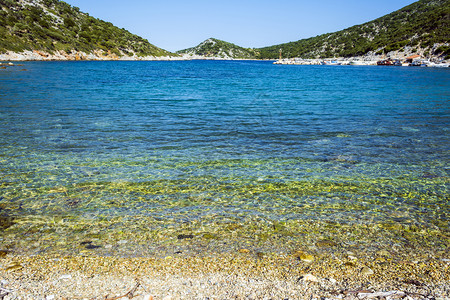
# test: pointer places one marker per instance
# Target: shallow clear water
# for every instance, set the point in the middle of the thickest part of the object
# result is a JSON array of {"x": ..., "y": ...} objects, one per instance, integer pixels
[{"x": 207, "y": 142}]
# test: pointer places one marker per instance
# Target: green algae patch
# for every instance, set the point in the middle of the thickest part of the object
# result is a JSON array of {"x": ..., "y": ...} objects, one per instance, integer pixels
[{"x": 263, "y": 214}]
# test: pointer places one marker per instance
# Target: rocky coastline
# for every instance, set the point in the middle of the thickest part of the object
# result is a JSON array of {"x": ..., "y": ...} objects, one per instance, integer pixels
[{"x": 36, "y": 55}]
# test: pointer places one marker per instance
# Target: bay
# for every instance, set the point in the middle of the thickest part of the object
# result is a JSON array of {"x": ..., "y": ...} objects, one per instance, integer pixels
[{"x": 146, "y": 150}]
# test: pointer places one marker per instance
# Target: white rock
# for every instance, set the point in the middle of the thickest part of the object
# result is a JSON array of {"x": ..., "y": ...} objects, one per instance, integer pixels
[
  {"x": 50, "y": 297},
  {"x": 310, "y": 277},
  {"x": 382, "y": 294},
  {"x": 3, "y": 282},
  {"x": 68, "y": 276},
  {"x": 148, "y": 297},
  {"x": 122, "y": 242}
]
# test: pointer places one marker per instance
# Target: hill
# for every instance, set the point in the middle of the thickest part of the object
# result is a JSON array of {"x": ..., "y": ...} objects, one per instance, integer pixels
[
  {"x": 220, "y": 49},
  {"x": 52, "y": 27},
  {"x": 422, "y": 27}
]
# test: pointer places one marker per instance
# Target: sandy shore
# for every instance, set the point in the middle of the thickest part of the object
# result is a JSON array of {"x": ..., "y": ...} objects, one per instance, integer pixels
[{"x": 240, "y": 275}]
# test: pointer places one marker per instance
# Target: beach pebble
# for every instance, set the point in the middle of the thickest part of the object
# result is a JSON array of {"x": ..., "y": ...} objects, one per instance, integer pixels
[
  {"x": 50, "y": 297},
  {"x": 62, "y": 277},
  {"x": 108, "y": 246},
  {"x": 122, "y": 242},
  {"x": 4, "y": 282},
  {"x": 244, "y": 251},
  {"x": 148, "y": 297},
  {"x": 332, "y": 280},
  {"x": 389, "y": 295},
  {"x": 310, "y": 277},
  {"x": 367, "y": 271}
]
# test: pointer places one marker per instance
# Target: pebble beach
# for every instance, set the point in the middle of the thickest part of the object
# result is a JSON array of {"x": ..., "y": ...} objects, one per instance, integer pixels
[{"x": 242, "y": 275}]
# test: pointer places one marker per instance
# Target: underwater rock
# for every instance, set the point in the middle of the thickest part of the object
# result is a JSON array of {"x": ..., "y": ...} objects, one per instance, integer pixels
[
  {"x": 383, "y": 253},
  {"x": 210, "y": 236},
  {"x": 325, "y": 244},
  {"x": 244, "y": 251},
  {"x": 304, "y": 256},
  {"x": 3, "y": 253},
  {"x": 6, "y": 222},
  {"x": 185, "y": 236},
  {"x": 90, "y": 246}
]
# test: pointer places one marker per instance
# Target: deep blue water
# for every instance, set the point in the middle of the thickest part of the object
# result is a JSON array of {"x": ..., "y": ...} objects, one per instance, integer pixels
[{"x": 221, "y": 130}]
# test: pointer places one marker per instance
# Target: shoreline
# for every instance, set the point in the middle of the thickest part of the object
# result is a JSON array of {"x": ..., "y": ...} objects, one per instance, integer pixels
[
  {"x": 242, "y": 275},
  {"x": 77, "y": 56},
  {"x": 36, "y": 55},
  {"x": 97, "y": 56},
  {"x": 312, "y": 261}
]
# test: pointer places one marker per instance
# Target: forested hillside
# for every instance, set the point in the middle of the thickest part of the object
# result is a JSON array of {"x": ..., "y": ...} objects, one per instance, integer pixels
[
  {"x": 53, "y": 25},
  {"x": 423, "y": 26},
  {"x": 220, "y": 49}
]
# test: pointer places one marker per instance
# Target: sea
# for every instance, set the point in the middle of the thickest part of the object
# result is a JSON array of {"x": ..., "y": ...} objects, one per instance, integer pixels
[{"x": 147, "y": 158}]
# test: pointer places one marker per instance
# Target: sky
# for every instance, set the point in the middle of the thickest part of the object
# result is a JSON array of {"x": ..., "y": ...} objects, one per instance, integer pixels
[{"x": 179, "y": 24}]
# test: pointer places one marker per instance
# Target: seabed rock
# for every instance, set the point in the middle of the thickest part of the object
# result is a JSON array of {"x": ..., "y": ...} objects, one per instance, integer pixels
[{"x": 304, "y": 256}]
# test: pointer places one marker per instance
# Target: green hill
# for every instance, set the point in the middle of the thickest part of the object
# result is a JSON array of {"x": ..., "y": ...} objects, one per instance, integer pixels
[
  {"x": 53, "y": 25},
  {"x": 220, "y": 49},
  {"x": 423, "y": 26}
]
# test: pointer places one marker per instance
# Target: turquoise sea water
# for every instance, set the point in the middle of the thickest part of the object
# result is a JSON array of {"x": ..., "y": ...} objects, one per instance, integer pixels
[{"x": 116, "y": 145}]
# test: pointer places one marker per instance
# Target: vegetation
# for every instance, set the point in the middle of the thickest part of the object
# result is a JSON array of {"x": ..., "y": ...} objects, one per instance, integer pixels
[
  {"x": 51, "y": 25},
  {"x": 424, "y": 25},
  {"x": 217, "y": 48}
]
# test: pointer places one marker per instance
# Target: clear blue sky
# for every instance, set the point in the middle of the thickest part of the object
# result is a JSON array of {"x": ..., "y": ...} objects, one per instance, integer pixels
[{"x": 179, "y": 24}]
